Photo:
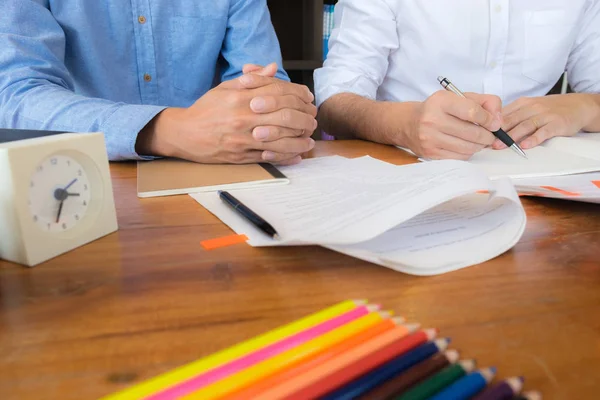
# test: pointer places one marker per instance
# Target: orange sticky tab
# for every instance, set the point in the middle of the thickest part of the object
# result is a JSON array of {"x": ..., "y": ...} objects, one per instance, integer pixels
[
  {"x": 483, "y": 192},
  {"x": 564, "y": 192},
  {"x": 597, "y": 183},
  {"x": 217, "y": 243}
]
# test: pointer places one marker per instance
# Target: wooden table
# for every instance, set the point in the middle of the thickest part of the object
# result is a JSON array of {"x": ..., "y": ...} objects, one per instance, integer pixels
[{"x": 148, "y": 298}]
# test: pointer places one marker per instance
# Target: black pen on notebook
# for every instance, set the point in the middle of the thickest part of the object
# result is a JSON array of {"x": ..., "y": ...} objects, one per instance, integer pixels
[
  {"x": 250, "y": 215},
  {"x": 500, "y": 134}
]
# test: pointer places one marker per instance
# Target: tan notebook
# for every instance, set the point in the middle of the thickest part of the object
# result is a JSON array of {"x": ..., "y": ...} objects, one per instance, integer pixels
[{"x": 169, "y": 177}]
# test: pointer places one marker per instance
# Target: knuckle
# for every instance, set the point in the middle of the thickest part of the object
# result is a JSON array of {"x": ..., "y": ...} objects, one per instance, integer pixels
[
  {"x": 286, "y": 116},
  {"x": 237, "y": 124},
  {"x": 279, "y": 88}
]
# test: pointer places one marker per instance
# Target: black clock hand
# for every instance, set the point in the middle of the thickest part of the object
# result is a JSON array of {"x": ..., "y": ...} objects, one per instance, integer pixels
[
  {"x": 70, "y": 184},
  {"x": 60, "y": 206}
]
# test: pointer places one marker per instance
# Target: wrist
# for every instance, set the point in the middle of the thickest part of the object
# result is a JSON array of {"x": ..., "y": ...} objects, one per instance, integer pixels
[
  {"x": 592, "y": 107},
  {"x": 156, "y": 138}
]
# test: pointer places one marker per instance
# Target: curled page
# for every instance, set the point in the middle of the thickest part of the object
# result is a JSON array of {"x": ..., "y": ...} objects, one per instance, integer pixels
[{"x": 361, "y": 206}]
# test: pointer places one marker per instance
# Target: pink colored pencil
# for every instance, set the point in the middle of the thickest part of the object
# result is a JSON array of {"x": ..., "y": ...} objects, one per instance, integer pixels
[{"x": 248, "y": 360}]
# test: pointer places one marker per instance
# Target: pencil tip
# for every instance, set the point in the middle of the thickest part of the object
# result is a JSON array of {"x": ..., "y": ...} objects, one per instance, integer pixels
[
  {"x": 276, "y": 236},
  {"x": 440, "y": 79}
]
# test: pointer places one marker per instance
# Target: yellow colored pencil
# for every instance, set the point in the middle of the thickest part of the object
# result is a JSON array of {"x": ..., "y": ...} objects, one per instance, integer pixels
[
  {"x": 185, "y": 372},
  {"x": 274, "y": 364}
]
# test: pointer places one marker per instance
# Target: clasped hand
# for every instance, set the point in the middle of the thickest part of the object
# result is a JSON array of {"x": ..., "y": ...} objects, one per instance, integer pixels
[{"x": 254, "y": 118}]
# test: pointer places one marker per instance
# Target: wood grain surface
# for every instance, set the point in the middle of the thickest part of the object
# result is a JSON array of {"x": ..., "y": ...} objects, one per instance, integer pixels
[{"x": 148, "y": 298}]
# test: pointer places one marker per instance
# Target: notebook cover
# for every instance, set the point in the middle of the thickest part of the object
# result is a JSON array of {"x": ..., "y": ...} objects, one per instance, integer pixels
[{"x": 171, "y": 177}]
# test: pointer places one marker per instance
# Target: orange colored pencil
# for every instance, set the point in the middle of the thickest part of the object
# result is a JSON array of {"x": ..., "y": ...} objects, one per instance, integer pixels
[
  {"x": 295, "y": 368},
  {"x": 334, "y": 373}
]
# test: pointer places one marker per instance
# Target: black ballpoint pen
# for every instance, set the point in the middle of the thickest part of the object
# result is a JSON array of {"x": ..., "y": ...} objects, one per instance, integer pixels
[
  {"x": 247, "y": 213},
  {"x": 500, "y": 134}
]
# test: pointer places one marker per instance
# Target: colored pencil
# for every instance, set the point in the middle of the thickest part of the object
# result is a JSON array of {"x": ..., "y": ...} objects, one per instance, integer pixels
[
  {"x": 274, "y": 364},
  {"x": 334, "y": 373},
  {"x": 438, "y": 382},
  {"x": 388, "y": 370},
  {"x": 504, "y": 390},
  {"x": 414, "y": 375},
  {"x": 468, "y": 386},
  {"x": 529, "y": 396},
  {"x": 293, "y": 369},
  {"x": 202, "y": 365},
  {"x": 220, "y": 373}
]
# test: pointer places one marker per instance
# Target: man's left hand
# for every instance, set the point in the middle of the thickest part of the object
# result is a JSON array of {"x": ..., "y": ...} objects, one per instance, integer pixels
[{"x": 531, "y": 121}]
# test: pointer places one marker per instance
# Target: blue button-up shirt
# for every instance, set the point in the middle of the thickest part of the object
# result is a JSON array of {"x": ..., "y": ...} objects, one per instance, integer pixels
[{"x": 112, "y": 65}]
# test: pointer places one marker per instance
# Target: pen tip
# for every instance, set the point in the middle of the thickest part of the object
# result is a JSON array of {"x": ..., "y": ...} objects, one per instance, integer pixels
[
  {"x": 440, "y": 79},
  {"x": 276, "y": 236}
]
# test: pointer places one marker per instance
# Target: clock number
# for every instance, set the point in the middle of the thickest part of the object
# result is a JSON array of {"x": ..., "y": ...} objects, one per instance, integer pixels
[
  {"x": 64, "y": 226},
  {"x": 85, "y": 186},
  {"x": 53, "y": 161},
  {"x": 76, "y": 217},
  {"x": 85, "y": 203},
  {"x": 35, "y": 218},
  {"x": 68, "y": 163},
  {"x": 49, "y": 226},
  {"x": 31, "y": 184},
  {"x": 79, "y": 172}
]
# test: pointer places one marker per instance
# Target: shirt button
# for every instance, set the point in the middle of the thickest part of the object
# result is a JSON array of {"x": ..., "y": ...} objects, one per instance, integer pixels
[
  {"x": 498, "y": 8},
  {"x": 142, "y": 19},
  {"x": 493, "y": 64},
  {"x": 147, "y": 77}
]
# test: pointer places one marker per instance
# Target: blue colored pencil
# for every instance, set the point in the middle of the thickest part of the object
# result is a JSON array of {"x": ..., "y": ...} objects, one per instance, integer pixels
[
  {"x": 388, "y": 370},
  {"x": 468, "y": 386}
]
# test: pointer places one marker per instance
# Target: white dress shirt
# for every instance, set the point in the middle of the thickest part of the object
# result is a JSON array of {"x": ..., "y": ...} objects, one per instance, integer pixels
[{"x": 394, "y": 50}]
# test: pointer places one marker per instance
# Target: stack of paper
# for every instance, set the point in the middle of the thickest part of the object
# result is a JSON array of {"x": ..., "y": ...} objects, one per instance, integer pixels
[
  {"x": 563, "y": 167},
  {"x": 421, "y": 219}
]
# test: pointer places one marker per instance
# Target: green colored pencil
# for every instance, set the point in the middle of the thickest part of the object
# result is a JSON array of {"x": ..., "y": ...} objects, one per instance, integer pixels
[{"x": 437, "y": 382}]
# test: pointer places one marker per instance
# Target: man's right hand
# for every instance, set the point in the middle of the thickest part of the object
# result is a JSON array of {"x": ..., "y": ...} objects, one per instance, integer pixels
[
  {"x": 444, "y": 126},
  {"x": 251, "y": 119}
]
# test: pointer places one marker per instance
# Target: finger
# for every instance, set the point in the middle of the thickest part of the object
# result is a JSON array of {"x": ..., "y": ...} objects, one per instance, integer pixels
[
  {"x": 466, "y": 131},
  {"x": 527, "y": 128},
  {"x": 457, "y": 145},
  {"x": 269, "y": 70},
  {"x": 271, "y": 133},
  {"x": 490, "y": 103},
  {"x": 519, "y": 116},
  {"x": 269, "y": 104},
  {"x": 270, "y": 86},
  {"x": 515, "y": 105},
  {"x": 293, "y": 146},
  {"x": 288, "y": 118},
  {"x": 471, "y": 111},
  {"x": 545, "y": 132},
  {"x": 291, "y": 161}
]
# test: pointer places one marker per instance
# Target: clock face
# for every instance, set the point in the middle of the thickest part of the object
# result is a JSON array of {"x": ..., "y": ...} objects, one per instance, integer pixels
[{"x": 59, "y": 194}]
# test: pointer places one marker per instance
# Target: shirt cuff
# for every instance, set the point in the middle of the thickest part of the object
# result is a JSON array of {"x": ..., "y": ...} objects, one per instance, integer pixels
[{"x": 121, "y": 130}]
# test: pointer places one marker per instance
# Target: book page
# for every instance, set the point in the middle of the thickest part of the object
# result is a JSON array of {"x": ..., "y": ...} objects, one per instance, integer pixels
[
  {"x": 579, "y": 187},
  {"x": 461, "y": 232},
  {"x": 541, "y": 161},
  {"x": 346, "y": 201},
  {"x": 582, "y": 145},
  {"x": 414, "y": 217}
]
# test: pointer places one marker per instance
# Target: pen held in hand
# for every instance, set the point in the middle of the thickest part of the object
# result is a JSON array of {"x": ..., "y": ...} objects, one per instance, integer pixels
[
  {"x": 248, "y": 214},
  {"x": 500, "y": 134}
]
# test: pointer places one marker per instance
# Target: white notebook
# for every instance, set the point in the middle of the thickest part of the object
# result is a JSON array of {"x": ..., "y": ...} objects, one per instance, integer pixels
[
  {"x": 557, "y": 157},
  {"x": 421, "y": 219}
]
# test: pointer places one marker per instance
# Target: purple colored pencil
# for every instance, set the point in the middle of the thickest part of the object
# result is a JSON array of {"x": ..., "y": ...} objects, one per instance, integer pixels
[{"x": 504, "y": 390}]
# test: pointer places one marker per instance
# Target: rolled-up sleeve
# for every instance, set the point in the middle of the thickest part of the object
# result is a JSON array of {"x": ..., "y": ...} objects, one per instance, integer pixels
[
  {"x": 583, "y": 67},
  {"x": 364, "y": 35},
  {"x": 36, "y": 89}
]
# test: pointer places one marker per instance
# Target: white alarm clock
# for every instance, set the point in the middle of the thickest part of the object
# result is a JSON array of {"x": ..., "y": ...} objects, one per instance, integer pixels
[{"x": 55, "y": 195}]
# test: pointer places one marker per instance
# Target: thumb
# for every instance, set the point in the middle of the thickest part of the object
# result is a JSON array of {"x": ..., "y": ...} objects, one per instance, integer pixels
[
  {"x": 491, "y": 104},
  {"x": 269, "y": 70}
]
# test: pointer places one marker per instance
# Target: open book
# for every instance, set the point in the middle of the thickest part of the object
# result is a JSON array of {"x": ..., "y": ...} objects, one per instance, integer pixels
[
  {"x": 421, "y": 219},
  {"x": 168, "y": 177}
]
